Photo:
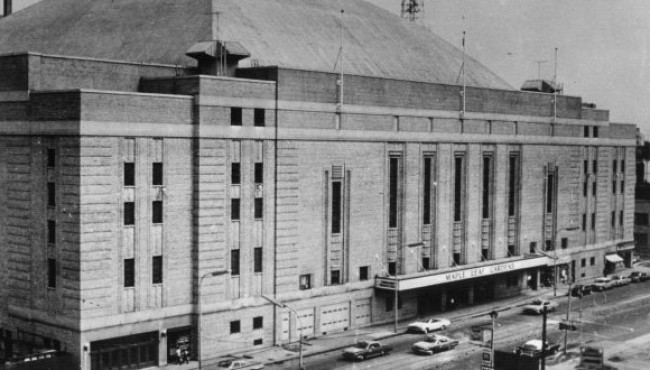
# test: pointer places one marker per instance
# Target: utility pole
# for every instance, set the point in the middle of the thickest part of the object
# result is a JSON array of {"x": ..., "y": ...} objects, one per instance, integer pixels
[
  {"x": 568, "y": 310},
  {"x": 545, "y": 312}
]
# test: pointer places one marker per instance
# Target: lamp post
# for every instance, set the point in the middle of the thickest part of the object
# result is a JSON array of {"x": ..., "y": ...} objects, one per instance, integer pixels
[
  {"x": 301, "y": 364},
  {"x": 209, "y": 274}
]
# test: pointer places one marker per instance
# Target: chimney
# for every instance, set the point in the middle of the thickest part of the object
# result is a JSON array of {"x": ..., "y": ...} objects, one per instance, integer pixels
[{"x": 7, "y": 7}]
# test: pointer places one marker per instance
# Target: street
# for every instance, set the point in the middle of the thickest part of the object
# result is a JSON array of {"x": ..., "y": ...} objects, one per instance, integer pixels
[{"x": 616, "y": 314}]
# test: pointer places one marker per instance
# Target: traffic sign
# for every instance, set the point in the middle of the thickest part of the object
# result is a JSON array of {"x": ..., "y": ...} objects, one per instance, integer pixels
[{"x": 487, "y": 357}]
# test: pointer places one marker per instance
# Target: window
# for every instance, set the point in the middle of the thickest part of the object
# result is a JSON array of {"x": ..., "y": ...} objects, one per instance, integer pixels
[
  {"x": 258, "y": 342},
  {"x": 51, "y": 273},
  {"x": 426, "y": 209},
  {"x": 235, "y": 173},
  {"x": 533, "y": 247},
  {"x": 458, "y": 188},
  {"x": 258, "y": 322},
  {"x": 51, "y": 231},
  {"x": 456, "y": 258},
  {"x": 594, "y": 166},
  {"x": 304, "y": 282},
  {"x": 129, "y": 174},
  {"x": 614, "y": 166},
  {"x": 234, "y": 209},
  {"x": 336, "y": 277},
  {"x": 392, "y": 268},
  {"x": 622, "y": 165},
  {"x": 156, "y": 270},
  {"x": 565, "y": 243},
  {"x": 511, "y": 250},
  {"x": 259, "y": 173},
  {"x": 235, "y": 327},
  {"x": 641, "y": 218},
  {"x": 583, "y": 262},
  {"x": 234, "y": 262},
  {"x": 51, "y": 158},
  {"x": 592, "y": 261},
  {"x": 622, "y": 186},
  {"x": 550, "y": 192},
  {"x": 426, "y": 261},
  {"x": 259, "y": 208},
  {"x": 586, "y": 167},
  {"x": 257, "y": 259},
  {"x": 487, "y": 181},
  {"x": 595, "y": 131},
  {"x": 585, "y": 186},
  {"x": 51, "y": 194},
  {"x": 586, "y": 131},
  {"x": 620, "y": 218},
  {"x": 549, "y": 245},
  {"x": 157, "y": 175},
  {"x": 259, "y": 119},
  {"x": 393, "y": 191},
  {"x": 593, "y": 188},
  {"x": 485, "y": 254},
  {"x": 513, "y": 171},
  {"x": 593, "y": 221},
  {"x": 129, "y": 213},
  {"x": 613, "y": 219},
  {"x": 614, "y": 186},
  {"x": 584, "y": 221},
  {"x": 235, "y": 116},
  {"x": 336, "y": 207},
  {"x": 363, "y": 273},
  {"x": 157, "y": 212},
  {"x": 129, "y": 272}
]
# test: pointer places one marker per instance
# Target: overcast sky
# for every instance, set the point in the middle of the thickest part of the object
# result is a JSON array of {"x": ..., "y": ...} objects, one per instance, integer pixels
[{"x": 603, "y": 45}]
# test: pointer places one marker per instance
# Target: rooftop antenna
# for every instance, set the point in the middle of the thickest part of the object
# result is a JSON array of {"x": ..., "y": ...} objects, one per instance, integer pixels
[
  {"x": 412, "y": 9},
  {"x": 539, "y": 68},
  {"x": 216, "y": 32}
]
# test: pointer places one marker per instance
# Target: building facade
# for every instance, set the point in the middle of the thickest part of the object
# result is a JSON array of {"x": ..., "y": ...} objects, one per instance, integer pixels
[
  {"x": 642, "y": 200},
  {"x": 140, "y": 198}
]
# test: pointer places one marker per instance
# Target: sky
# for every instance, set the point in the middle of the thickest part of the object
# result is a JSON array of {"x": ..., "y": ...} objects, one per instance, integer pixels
[{"x": 603, "y": 45}]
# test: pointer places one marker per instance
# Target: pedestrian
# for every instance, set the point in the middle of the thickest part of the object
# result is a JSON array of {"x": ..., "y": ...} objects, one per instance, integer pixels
[
  {"x": 178, "y": 355},
  {"x": 185, "y": 357}
]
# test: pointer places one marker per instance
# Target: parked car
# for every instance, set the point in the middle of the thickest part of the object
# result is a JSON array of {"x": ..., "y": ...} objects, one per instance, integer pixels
[
  {"x": 242, "y": 364},
  {"x": 638, "y": 276},
  {"x": 533, "y": 348},
  {"x": 434, "y": 343},
  {"x": 621, "y": 280},
  {"x": 602, "y": 283},
  {"x": 365, "y": 349},
  {"x": 537, "y": 306},
  {"x": 428, "y": 326},
  {"x": 580, "y": 290}
]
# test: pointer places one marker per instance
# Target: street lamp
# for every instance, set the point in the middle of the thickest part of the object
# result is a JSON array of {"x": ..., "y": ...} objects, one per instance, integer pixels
[
  {"x": 209, "y": 274},
  {"x": 301, "y": 364}
]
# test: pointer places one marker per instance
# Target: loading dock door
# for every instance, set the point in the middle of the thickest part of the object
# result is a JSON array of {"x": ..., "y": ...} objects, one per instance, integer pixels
[
  {"x": 362, "y": 311},
  {"x": 335, "y": 318}
]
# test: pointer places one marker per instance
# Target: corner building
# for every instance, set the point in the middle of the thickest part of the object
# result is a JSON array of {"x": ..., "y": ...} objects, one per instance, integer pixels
[{"x": 153, "y": 178}]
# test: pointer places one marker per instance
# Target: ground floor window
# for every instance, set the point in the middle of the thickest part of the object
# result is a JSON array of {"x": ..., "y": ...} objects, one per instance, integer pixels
[{"x": 132, "y": 352}]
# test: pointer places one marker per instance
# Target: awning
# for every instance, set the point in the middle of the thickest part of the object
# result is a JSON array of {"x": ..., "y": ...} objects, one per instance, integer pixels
[{"x": 613, "y": 258}]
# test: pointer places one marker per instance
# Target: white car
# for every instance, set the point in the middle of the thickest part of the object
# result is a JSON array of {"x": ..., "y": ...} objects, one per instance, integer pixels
[
  {"x": 537, "y": 306},
  {"x": 434, "y": 343},
  {"x": 428, "y": 326},
  {"x": 240, "y": 364}
]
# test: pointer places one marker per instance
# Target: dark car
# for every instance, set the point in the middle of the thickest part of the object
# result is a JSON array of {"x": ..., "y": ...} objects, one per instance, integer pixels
[
  {"x": 365, "y": 349},
  {"x": 533, "y": 348},
  {"x": 580, "y": 290},
  {"x": 638, "y": 276}
]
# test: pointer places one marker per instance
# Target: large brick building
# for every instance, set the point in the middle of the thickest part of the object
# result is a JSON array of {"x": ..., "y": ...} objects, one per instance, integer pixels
[{"x": 138, "y": 155}]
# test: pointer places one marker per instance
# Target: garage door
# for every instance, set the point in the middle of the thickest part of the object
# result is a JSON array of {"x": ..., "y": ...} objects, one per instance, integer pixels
[
  {"x": 362, "y": 312},
  {"x": 307, "y": 320},
  {"x": 284, "y": 336},
  {"x": 334, "y": 318}
]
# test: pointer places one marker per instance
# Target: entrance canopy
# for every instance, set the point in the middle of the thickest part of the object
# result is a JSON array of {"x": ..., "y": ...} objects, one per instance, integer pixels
[
  {"x": 613, "y": 258},
  {"x": 453, "y": 275}
]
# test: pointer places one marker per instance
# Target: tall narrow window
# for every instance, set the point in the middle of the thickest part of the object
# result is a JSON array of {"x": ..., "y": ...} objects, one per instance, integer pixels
[
  {"x": 622, "y": 187},
  {"x": 157, "y": 178},
  {"x": 235, "y": 173},
  {"x": 51, "y": 194},
  {"x": 565, "y": 243},
  {"x": 336, "y": 207},
  {"x": 51, "y": 231},
  {"x": 363, "y": 273},
  {"x": 586, "y": 131},
  {"x": 458, "y": 188},
  {"x": 234, "y": 262},
  {"x": 235, "y": 116},
  {"x": 157, "y": 212},
  {"x": 513, "y": 171},
  {"x": 584, "y": 221},
  {"x": 259, "y": 173},
  {"x": 622, "y": 165},
  {"x": 620, "y": 218},
  {"x": 129, "y": 213},
  {"x": 392, "y": 268},
  {"x": 393, "y": 191},
  {"x": 336, "y": 277},
  {"x": 156, "y": 270},
  {"x": 51, "y": 273},
  {"x": 259, "y": 119},
  {"x": 593, "y": 221},
  {"x": 129, "y": 174},
  {"x": 487, "y": 182},
  {"x": 594, "y": 166},
  {"x": 613, "y": 219},
  {"x": 585, "y": 187},
  {"x": 129, "y": 272},
  {"x": 614, "y": 186},
  {"x": 550, "y": 192},
  {"x": 595, "y": 131},
  {"x": 593, "y": 188},
  {"x": 259, "y": 208},
  {"x": 257, "y": 259},
  {"x": 51, "y": 158},
  {"x": 586, "y": 167},
  {"x": 234, "y": 209},
  {"x": 614, "y": 166},
  {"x": 426, "y": 217}
]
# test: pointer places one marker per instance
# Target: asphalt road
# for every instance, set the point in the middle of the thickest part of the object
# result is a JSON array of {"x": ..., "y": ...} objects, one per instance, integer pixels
[{"x": 602, "y": 320}]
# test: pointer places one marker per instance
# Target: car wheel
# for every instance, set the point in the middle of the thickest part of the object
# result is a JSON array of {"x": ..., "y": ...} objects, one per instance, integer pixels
[{"x": 443, "y": 327}]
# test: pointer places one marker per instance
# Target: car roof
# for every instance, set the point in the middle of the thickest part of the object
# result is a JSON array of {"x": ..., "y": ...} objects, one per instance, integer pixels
[{"x": 534, "y": 342}]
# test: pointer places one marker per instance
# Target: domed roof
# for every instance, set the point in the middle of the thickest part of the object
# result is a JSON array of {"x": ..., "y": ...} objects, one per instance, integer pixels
[{"x": 301, "y": 34}]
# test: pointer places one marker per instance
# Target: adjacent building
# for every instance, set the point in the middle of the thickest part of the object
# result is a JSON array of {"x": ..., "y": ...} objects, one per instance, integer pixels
[
  {"x": 165, "y": 162},
  {"x": 642, "y": 200}
]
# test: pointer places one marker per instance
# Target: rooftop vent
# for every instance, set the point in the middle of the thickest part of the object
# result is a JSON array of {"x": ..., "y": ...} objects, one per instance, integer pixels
[
  {"x": 542, "y": 86},
  {"x": 218, "y": 58}
]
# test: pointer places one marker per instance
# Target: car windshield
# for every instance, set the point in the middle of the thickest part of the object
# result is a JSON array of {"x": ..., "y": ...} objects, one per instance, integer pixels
[
  {"x": 225, "y": 363},
  {"x": 537, "y": 301},
  {"x": 361, "y": 344}
]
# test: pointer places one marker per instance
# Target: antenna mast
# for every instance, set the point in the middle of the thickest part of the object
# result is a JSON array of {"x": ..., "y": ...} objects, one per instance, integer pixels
[{"x": 412, "y": 9}]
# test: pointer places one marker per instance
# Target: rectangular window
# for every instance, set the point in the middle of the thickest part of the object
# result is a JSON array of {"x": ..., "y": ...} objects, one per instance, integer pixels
[
  {"x": 622, "y": 165},
  {"x": 613, "y": 219},
  {"x": 550, "y": 192},
  {"x": 259, "y": 208},
  {"x": 487, "y": 181},
  {"x": 456, "y": 258},
  {"x": 259, "y": 173},
  {"x": 586, "y": 167},
  {"x": 235, "y": 116},
  {"x": 51, "y": 158},
  {"x": 258, "y": 322},
  {"x": 234, "y": 262},
  {"x": 511, "y": 250},
  {"x": 51, "y": 231},
  {"x": 425, "y": 262},
  {"x": 549, "y": 245},
  {"x": 392, "y": 268},
  {"x": 363, "y": 273},
  {"x": 513, "y": 172},
  {"x": 614, "y": 186},
  {"x": 259, "y": 119},
  {"x": 593, "y": 188},
  {"x": 157, "y": 173},
  {"x": 565, "y": 243},
  {"x": 235, "y": 173},
  {"x": 622, "y": 187},
  {"x": 641, "y": 219},
  {"x": 129, "y": 272},
  {"x": 235, "y": 327},
  {"x": 156, "y": 270},
  {"x": 129, "y": 174},
  {"x": 426, "y": 209},
  {"x": 585, "y": 186},
  {"x": 595, "y": 166},
  {"x": 593, "y": 221},
  {"x": 583, "y": 262},
  {"x": 584, "y": 221},
  {"x": 304, "y": 282},
  {"x": 393, "y": 191},
  {"x": 533, "y": 247},
  {"x": 586, "y": 131},
  {"x": 592, "y": 261},
  {"x": 157, "y": 212},
  {"x": 51, "y": 273},
  {"x": 620, "y": 218},
  {"x": 595, "y": 131},
  {"x": 336, "y": 277},
  {"x": 336, "y": 207},
  {"x": 458, "y": 188},
  {"x": 257, "y": 259},
  {"x": 614, "y": 166},
  {"x": 258, "y": 342},
  {"x": 485, "y": 254},
  {"x": 51, "y": 194},
  {"x": 234, "y": 209},
  {"x": 129, "y": 213}
]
